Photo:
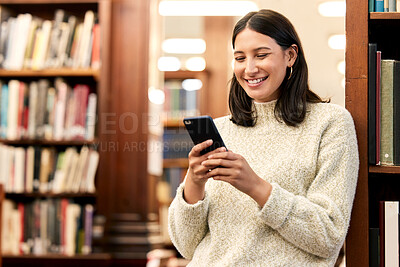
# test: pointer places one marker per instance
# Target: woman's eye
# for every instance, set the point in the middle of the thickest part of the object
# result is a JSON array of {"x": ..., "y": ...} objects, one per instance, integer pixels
[
  {"x": 239, "y": 58},
  {"x": 262, "y": 55}
]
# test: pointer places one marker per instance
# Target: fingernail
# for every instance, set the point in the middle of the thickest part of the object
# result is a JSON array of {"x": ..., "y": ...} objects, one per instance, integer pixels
[{"x": 209, "y": 141}]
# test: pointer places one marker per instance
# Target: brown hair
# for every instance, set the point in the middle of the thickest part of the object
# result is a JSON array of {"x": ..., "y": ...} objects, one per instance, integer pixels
[{"x": 294, "y": 93}]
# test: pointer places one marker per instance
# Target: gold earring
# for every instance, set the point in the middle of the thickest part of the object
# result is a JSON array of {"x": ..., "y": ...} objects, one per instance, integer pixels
[{"x": 290, "y": 75}]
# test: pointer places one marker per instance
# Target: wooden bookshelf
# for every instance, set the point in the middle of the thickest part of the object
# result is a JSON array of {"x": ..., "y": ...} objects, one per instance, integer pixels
[
  {"x": 375, "y": 183},
  {"x": 124, "y": 192}
]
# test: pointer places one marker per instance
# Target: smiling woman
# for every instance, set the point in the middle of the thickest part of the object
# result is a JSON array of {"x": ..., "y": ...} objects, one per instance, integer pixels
[{"x": 283, "y": 193}]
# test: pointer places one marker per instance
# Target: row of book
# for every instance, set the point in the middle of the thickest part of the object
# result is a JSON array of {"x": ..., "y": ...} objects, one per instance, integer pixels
[
  {"x": 179, "y": 102},
  {"x": 46, "y": 169},
  {"x": 382, "y": 5},
  {"x": 29, "y": 42},
  {"x": 45, "y": 110},
  {"x": 384, "y": 241},
  {"x": 46, "y": 226},
  {"x": 383, "y": 109},
  {"x": 176, "y": 143},
  {"x": 170, "y": 181}
]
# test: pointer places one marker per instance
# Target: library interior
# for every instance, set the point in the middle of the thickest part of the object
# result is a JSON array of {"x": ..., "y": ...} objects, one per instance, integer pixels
[{"x": 87, "y": 175}]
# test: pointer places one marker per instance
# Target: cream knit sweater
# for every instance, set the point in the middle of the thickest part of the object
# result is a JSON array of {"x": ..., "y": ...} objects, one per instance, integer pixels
[{"x": 313, "y": 170}]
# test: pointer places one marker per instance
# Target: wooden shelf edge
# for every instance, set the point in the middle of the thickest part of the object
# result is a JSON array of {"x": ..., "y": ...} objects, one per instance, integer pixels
[
  {"x": 51, "y": 73},
  {"x": 384, "y": 15},
  {"x": 47, "y": 2},
  {"x": 384, "y": 169},
  {"x": 94, "y": 256},
  {"x": 180, "y": 162},
  {"x": 183, "y": 74},
  {"x": 173, "y": 123},
  {"x": 52, "y": 195},
  {"x": 49, "y": 142}
]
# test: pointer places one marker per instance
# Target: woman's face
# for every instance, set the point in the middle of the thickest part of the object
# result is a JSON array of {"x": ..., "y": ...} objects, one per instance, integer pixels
[{"x": 260, "y": 64}]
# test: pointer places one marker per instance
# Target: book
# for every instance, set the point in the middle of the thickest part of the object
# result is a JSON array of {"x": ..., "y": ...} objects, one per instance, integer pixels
[
  {"x": 20, "y": 41},
  {"x": 378, "y": 106},
  {"x": 91, "y": 117},
  {"x": 43, "y": 86},
  {"x": 385, "y": 5},
  {"x": 382, "y": 233},
  {"x": 391, "y": 233},
  {"x": 84, "y": 46},
  {"x": 396, "y": 113},
  {"x": 19, "y": 170},
  {"x": 371, "y": 5},
  {"x": 54, "y": 39},
  {"x": 91, "y": 172},
  {"x": 374, "y": 247},
  {"x": 4, "y": 110},
  {"x": 41, "y": 45},
  {"x": 59, "y": 109},
  {"x": 95, "y": 58},
  {"x": 12, "y": 113},
  {"x": 88, "y": 229},
  {"x": 33, "y": 109},
  {"x": 379, "y": 6},
  {"x": 372, "y": 48},
  {"x": 29, "y": 169}
]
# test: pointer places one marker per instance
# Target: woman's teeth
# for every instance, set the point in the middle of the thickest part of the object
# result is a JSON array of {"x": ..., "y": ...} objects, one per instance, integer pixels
[{"x": 256, "y": 80}]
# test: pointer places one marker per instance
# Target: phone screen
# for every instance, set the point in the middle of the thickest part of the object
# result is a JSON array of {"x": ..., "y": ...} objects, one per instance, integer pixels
[{"x": 202, "y": 128}]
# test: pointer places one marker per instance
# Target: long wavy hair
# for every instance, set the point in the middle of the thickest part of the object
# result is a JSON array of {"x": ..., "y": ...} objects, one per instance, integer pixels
[{"x": 294, "y": 93}]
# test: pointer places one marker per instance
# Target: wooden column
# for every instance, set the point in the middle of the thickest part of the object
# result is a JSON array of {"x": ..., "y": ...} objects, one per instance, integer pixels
[
  {"x": 218, "y": 35},
  {"x": 131, "y": 227},
  {"x": 357, "y": 103}
]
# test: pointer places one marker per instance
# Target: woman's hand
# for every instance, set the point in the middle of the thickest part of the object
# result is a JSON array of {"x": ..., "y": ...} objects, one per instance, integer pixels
[
  {"x": 233, "y": 168},
  {"x": 196, "y": 177}
]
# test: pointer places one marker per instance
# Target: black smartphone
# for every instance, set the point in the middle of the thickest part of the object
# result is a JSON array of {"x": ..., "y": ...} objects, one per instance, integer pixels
[{"x": 202, "y": 128}]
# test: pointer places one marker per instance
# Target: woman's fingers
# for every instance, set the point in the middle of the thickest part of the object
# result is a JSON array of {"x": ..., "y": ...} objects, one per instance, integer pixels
[{"x": 199, "y": 147}]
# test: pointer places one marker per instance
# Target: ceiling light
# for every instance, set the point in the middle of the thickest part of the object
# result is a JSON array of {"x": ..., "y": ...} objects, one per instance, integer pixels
[
  {"x": 156, "y": 96},
  {"x": 195, "y": 64},
  {"x": 206, "y": 8},
  {"x": 341, "y": 67},
  {"x": 184, "y": 46},
  {"x": 192, "y": 84},
  {"x": 332, "y": 9},
  {"x": 337, "y": 42},
  {"x": 169, "y": 64}
]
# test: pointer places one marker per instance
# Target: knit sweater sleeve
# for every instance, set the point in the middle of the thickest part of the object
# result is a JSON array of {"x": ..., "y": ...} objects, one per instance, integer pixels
[
  {"x": 187, "y": 223},
  {"x": 318, "y": 222}
]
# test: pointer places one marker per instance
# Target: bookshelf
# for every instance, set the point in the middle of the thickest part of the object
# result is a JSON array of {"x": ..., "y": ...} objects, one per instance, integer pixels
[
  {"x": 177, "y": 143},
  {"x": 124, "y": 191},
  {"x": 26, "y": 74},
  {"x": 375, "y": 183}
]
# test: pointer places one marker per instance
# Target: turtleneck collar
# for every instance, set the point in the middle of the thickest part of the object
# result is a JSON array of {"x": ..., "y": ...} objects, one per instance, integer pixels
[{"x": 264, "y": 110}]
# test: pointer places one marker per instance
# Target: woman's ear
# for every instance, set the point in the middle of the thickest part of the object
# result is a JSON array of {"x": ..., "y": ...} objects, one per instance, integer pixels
[{"x": 292, "y": 50}]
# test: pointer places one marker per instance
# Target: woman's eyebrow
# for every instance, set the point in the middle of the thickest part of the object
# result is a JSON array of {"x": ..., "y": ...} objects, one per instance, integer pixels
[{"x": 257, "y": 49}]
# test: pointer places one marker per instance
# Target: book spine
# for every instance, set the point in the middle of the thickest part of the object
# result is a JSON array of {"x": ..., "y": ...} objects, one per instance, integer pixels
[
  {"x": 379, "y": 6},
  {"x": 382, "y": 233},
  {"x": 372, "y": 48},
  {"x": 387, "y": 112},
  {"x": 88, "y": 229},
  {"x": 378, "y": 106},
  {"x": 391, "y": 233},
  {"x": 396, "y": 113}
]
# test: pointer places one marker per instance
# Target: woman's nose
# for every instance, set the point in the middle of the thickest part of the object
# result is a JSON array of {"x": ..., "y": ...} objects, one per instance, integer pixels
[{"x": 251, "y": 67}]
